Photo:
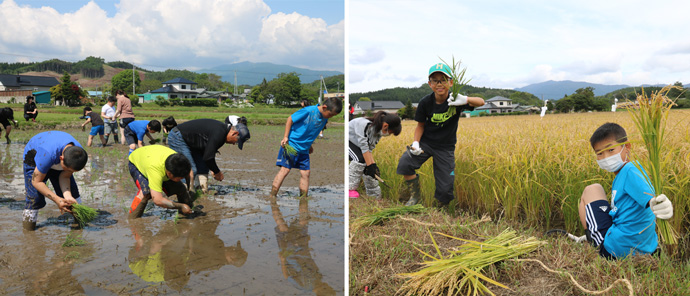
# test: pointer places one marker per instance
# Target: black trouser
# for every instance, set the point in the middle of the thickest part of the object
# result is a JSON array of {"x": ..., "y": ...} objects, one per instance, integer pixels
[{"x": 444, "y": 169}]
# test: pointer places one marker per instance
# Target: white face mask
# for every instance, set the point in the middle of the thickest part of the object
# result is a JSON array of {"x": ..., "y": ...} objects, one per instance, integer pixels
[
  {"x": 385, "y": 134},
  {"x": 612, "y": 163}
]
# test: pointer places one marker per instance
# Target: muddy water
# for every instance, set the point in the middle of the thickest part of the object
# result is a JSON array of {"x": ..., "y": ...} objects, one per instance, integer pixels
[{"x": 243, "y": 242}]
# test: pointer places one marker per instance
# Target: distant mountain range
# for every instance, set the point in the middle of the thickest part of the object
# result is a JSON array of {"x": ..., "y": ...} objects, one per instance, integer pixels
[
  {"x": 554, "y": 90},
  {"x": 254, "y": 73}
]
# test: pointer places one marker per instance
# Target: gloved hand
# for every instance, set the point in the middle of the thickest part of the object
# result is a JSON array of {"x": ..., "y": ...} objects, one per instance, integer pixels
[
  {"x": 459, "y": 100},
  {"x": 414, "y": 148},
  {"x": 661, "y": 207},
  {"x": 372, "y": 170},
  {"x": 83, "y": 128}
]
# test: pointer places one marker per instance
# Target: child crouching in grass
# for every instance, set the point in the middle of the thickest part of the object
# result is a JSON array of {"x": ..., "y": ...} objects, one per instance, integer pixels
[
  {"x": 97, "y": 125},
  {"x": 301, "y": 129},
  {"x": 626, "y": 225},
  {"x": 364, "y": 134}
]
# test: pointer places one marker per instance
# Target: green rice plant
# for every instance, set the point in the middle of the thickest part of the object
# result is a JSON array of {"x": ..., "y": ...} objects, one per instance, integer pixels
[
  {"x": 650, "y": 118},
  {"x": 384, "y": 215},
  {"x": 289, "y": 150},
  {"x": 83, "y": 214},
  {"x": 73, "y": 240},
  {"x": 458, "y": 76},
  {"x": 461, "y": 271}
]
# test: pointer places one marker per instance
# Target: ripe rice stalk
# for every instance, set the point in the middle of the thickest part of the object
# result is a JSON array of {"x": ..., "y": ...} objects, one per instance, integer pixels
[
  {"x": 650, "y": 118},
  {"x": 458, "y": 76},
  {"x": 83, "y": 214},
  {"x": 461, "y": 271},
  {"x": 383, "y": 215}
]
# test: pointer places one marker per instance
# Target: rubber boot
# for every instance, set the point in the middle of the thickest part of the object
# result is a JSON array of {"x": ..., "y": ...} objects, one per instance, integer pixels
[
  {"x": 413, "y": 187},
  {"x": 372, "y": 186},
  {"x": 356, "y": 170},
  {"x": 139, "y": 205},
  {"x": 203, "y": 183},
  {"x": 29, "y": 219}
]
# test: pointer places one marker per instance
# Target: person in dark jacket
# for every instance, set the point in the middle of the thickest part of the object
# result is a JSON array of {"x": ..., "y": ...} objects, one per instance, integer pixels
[
  {"x": 200, "y": 139},
  {"x": 30, "y": 111},
  {"x": 7, "y": 114}
]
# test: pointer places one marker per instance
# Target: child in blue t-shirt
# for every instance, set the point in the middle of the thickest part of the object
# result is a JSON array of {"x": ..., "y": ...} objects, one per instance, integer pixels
[
  {"x": 135, "y": 131},
  {"x": 626, "y": 225},
  {"x": 301, "y": 129},
  {"x": 53, "y": 155}
]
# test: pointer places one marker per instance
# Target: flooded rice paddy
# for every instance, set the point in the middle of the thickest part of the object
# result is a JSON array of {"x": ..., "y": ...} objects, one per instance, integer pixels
[{"x": 243, "y": 242}]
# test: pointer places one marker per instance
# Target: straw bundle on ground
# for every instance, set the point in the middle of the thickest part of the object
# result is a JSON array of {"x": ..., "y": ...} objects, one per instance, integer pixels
[
  {"x": 650, "y": 118},
  {"x": 461, "y": 271},
  {"x": 384, "y": 215}
]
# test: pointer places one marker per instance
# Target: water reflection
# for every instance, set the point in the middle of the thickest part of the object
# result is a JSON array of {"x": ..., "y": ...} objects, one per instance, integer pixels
[
  {"x": 179, "y": 250},
  {"x": 51, "y": 273},
  {"x": 296, "y": 262}
]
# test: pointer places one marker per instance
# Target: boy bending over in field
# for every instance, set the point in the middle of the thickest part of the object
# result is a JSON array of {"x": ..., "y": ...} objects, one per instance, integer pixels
[
  {"x": 7, "y": 114},
  {"x": 135, "y": 131},
  {"x": 53, "y": 155},
  {"x": 156, "y": 169},
  {"x": 435, "y": 136},
  {"x": 365, "y": 133},
  {"x": 627, "y": 225},
  {"x": 301, "y": 129}
]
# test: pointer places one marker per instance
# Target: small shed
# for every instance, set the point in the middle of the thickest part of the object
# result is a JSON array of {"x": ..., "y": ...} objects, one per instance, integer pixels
[{"x": 42, "y": 97}]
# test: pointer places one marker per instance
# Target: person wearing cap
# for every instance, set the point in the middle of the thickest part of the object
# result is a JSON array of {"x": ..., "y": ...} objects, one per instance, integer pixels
[
  {"x": 30, "y": 110},
  {"x": 7, "y": 114},
  {"x": 301, "y": 129},
  {"x": 97, "y": 125},
  {"x": 200, "y": 139},
  {"x": 435, "y": 136}
]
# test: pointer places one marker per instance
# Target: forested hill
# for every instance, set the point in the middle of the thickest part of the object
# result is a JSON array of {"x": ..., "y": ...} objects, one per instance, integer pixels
[
  {"x": 414, "y": 94},
  {"x": 91, "y": 67}
]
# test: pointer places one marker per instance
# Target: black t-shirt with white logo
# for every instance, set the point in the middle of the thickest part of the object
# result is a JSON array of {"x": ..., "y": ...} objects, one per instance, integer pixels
[{"x": 440, "y": 121}]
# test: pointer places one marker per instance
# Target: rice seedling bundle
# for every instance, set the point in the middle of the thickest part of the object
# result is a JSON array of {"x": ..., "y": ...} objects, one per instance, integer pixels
[
  {"x": 458, "y": 76},
  {"x": 83, "y": 214},
  {"x": 289, "y": 150},
  {"x": 461, "y": 271},
  {"x": 383, "y": 215},
  {"x": 650, "y": 119}
]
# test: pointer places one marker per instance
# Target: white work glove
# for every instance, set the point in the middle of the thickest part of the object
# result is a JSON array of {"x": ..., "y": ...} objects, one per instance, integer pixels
[
  {"x": 414, "y": 148},
  {"x": 459, "y": 100},
  {"x": 661, "y": 207}
]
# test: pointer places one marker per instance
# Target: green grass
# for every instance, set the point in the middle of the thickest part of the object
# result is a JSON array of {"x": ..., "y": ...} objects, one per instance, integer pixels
[{"x": 380, "y": 254}]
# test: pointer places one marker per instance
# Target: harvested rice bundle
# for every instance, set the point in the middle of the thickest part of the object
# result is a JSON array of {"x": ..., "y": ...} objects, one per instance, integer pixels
[
  {"x": 83, "y": 214},
  {"x": 385, "y": 215},
  {"x": 650, "y": 118},
  {"x": 461, "y": 271},
  {"x": 458, "y": 76}
]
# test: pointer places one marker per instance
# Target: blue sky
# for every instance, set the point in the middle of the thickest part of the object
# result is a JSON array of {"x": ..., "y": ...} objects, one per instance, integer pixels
[
  {"x": 176, "y": 34},
  {"x": 509, "y": 44}
]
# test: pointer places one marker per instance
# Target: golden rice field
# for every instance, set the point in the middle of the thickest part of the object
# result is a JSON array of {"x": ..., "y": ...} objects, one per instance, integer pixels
[{"x": 534, "y": 170}]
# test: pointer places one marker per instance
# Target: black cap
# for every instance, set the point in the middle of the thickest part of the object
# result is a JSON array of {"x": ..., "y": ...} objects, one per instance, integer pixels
[{"x": 244, "y": 134}]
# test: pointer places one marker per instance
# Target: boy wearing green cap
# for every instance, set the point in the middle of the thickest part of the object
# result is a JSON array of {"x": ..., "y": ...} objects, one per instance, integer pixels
[{"x": 435, "y": 135}]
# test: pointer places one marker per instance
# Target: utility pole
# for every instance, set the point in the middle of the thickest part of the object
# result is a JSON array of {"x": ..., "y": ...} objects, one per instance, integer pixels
[
  {"x": 320, "y": 89},
  {"x": 235, "y": 83},
  {"x": 133, "y": 85}
]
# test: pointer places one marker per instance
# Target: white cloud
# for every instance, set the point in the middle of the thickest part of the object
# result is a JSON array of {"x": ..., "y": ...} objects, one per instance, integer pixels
[
  {"x": 367, "y": 55},
  {"x": 511, "y": 44},
  {"x": 174, "y": 34}
]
